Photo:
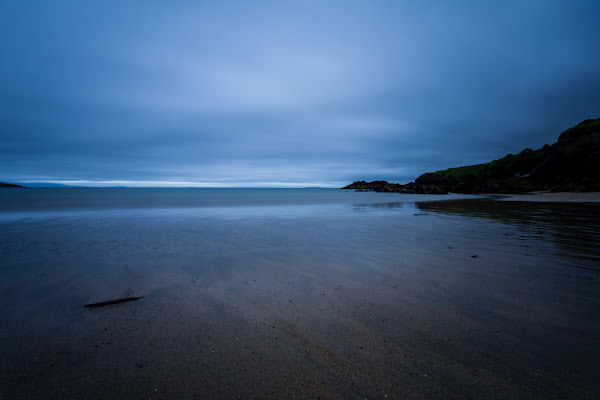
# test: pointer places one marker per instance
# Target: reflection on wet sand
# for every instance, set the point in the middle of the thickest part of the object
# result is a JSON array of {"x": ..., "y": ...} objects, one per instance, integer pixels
[
  {"x": 445, "y": 300},
  {"x": 370, "y": 207},
  {"x": 571, "y": 230}
]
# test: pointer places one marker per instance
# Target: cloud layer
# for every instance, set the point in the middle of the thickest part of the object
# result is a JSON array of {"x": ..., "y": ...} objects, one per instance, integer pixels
[{"x": 274, "y": 93}]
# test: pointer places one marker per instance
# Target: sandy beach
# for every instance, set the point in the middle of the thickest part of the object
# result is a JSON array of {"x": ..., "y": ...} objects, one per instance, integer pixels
[
  {"x": 566, "y": 197},
  {"x": 447, "y": 300}
]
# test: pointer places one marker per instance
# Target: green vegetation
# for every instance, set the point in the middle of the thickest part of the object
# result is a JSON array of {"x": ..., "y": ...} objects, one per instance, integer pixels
[
  {"x": 570, "y": 164},
  {"x": 510, "y": 166}
]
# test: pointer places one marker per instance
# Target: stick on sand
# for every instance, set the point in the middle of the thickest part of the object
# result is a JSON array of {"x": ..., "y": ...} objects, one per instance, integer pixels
[{"x": 111, "y": 302}]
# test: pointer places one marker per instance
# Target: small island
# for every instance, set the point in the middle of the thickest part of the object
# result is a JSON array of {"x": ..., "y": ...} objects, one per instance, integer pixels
[{"x": 572, "y": 164}]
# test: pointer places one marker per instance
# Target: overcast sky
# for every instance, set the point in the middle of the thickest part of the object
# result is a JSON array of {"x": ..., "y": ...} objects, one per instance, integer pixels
[{"x": 285, "y": 93}]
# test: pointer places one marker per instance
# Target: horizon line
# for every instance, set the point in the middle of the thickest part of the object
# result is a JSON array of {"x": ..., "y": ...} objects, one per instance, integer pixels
[{"x": 175, "y": 184}]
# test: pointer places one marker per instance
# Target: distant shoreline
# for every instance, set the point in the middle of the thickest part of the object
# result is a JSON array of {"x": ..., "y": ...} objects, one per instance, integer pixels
[
  {"x": 537, "y": 196},
  {"x": 9, "y": 185}
]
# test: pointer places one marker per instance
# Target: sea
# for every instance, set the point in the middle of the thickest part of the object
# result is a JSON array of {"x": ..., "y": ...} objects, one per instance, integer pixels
[{"x": 307, "y": 293}]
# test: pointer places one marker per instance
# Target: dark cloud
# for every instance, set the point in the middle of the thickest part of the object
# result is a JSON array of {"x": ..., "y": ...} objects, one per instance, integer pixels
[{"x": 266, "y": 93}]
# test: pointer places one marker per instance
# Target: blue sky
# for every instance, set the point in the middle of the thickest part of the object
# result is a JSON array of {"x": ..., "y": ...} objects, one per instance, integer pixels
[{"x": 277, "y": 93}]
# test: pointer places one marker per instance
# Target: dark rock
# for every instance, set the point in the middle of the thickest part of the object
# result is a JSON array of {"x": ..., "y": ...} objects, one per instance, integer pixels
[
  {"x": 384, "y": 186},
  {"x": 9, "y": 185}
]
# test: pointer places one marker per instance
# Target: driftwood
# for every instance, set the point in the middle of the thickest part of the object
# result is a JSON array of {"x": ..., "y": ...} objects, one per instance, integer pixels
[{"x": 111, "y": 302}]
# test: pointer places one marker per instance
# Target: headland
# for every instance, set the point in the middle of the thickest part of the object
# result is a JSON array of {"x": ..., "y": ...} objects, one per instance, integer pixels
[{"x": 572, "y": 164}]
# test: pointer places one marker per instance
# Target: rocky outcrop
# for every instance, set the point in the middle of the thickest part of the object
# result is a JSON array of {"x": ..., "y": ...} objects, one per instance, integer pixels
[
  {"x": 9, "y": 185},
  {"x": 575, "y": 161},
  {"x": 384, "y": 186},
  {"x": 570, "y": 164}
]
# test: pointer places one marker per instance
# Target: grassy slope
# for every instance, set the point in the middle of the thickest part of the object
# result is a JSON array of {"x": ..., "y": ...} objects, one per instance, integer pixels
[{"x": 572, "y": 163}]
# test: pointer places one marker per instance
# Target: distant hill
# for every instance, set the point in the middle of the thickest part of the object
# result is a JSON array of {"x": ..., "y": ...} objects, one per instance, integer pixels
[
  {"x": 45, "y": 184},
  {"x": 8, "y": 185},
  {"x": 570, "y": 164}
]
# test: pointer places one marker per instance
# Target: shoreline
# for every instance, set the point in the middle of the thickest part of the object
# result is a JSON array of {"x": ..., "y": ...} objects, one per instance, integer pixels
[{"x": 555, "y": 197}]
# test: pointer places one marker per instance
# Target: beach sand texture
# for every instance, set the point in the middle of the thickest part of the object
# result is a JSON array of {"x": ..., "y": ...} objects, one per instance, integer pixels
[
  {"x": 447, "y": 300},
  {"x": 562, "y": 197}
]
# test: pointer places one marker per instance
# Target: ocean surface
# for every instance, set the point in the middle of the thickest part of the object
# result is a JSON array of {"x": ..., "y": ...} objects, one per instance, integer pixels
[
  {"x": 199, "y": 201},
  {"x": 274, "y": 293}
]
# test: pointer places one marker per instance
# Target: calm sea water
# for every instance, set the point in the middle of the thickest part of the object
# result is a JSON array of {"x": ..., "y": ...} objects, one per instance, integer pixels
[
  {"x": 299, "y": 283},
  {"x": 50, "y": 201}
]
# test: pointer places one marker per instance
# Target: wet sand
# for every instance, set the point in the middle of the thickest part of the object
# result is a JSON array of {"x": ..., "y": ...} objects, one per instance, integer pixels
[
  {"x": 566, "y": 197},
  {"x": 446, "y": 300}
]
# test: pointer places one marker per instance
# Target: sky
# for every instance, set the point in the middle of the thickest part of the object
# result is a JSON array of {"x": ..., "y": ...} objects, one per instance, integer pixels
[{"x": 285, "y": 93}]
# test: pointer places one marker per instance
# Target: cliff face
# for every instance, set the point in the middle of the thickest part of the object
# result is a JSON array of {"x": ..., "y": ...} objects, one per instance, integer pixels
[
  {"x": 575, "y": 160},
  {"x": 570, "y": 164}
]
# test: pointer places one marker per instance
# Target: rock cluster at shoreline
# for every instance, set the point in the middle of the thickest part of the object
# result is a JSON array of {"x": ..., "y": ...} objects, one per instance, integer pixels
[{"x": 384, "y": 186}]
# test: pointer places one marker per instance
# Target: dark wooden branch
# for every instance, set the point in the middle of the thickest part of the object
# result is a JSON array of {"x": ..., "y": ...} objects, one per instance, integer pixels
[{"x": 111, "y": 302}]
